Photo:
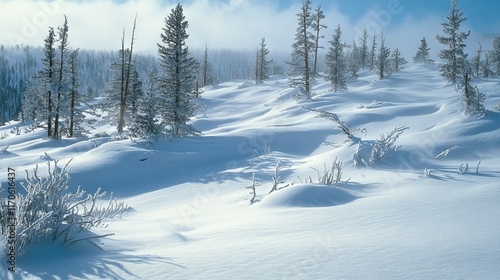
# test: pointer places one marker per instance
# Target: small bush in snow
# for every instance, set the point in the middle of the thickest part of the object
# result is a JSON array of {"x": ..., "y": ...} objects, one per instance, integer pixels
[
  {"x": 497, "y": 107},
  {"x": 463, "y": 168},
  {"x": 253, "y": 187},
  {"x": 276, "y": 178},
  {"x": 49, "y": 211},
  {"x": 447, "y": 151},
  {"x": 330, "y": 176},
  {"x": 340, "y": 124},
  {"x": 4, "y": 135},
  {"x": 427, "y": 172},
  {"x": 386, "y": 143},
  {"x": 3, "y": 149}
]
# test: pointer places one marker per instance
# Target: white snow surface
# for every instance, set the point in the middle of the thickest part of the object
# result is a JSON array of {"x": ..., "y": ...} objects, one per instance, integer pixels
[{"x": 191, "y": 217}]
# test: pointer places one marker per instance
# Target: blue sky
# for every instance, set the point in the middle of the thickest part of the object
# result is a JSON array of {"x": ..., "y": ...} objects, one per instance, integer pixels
[{"x": 240, "y": 24}]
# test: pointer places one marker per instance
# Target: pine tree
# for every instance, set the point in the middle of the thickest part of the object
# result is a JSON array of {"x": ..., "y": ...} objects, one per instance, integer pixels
[
  {"x": 486, "y": 66},
  {"x": 76, "y": 116},
  {"x": 178, "y": 82},
  {"x": 146, "y": 124},
  {"x": 455, "y": 57},
  {"x": 373, "y": 53},
  {"x": 363, "y": 49},
  {"x": 61, "y": 75},
  {"x": 397, "y": 61},
  {"x": 422, "y": 55},
  {"x": 472, "y": 98},
  {"x": 206, "y": 70},
  {"x": 354, "y": 61},
  {"x": 316, "y": 26},
  {"x": 383, "y": 59},
  {"x": 48, "y": 75},
  {"x": 300, "y": 72},
  {"x": 495, "y": 55},
  {"x": 262, "y": 65},
  {"x": 336, "y": 62},
  {"x": 476, "y": 61}
]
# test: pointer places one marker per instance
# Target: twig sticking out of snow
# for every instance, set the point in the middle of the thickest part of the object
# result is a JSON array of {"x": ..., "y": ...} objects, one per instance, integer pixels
[
  {"x": 463, "y": 169},
  {"x": 447, "y": 151},
  {"x": 477, "y": 166}
]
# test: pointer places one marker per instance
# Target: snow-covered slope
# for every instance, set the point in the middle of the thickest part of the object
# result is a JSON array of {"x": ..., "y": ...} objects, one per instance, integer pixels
[{"x": 191, "y": 216}]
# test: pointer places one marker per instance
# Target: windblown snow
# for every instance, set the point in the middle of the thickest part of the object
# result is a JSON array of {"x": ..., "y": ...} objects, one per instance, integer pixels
[{"x": 410, "y": 215}]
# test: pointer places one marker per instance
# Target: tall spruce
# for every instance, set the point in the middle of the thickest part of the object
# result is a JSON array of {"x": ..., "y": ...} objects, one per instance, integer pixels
[
  {"x": 300, "y": 65},
  {"x": 336, "y": 66},
  {"x": 476, "y": 61},
  {"x": 353, "y": 61},
  {"x": 383, "y": 61},
  {"x": 62, "y": 73},
  {"x": 316, "y": 26},
  {"x": 373, "y": 53},
  {"x": 76, "y": 116},
  {"x": 495, "y": 55},
  {"x": 455, "y": 65},
  {"x": 363, "y": 49},
  {"x": 422, "y": 55},
  {"x": 47, "y": 75},
  {"x": 178, "y": 82},
  {"x": 206, "y": 70},
  {"x": 262, "y": 65}
]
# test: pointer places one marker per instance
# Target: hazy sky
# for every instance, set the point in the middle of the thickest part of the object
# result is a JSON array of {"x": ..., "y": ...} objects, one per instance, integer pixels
[{"x": 240, "y": 24}]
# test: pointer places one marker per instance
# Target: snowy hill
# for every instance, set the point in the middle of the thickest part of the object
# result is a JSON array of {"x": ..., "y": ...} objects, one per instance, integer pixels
[{"x": 191, "y": 216}]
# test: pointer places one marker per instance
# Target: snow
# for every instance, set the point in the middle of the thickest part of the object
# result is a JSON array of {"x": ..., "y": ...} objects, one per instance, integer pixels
[{"x": 191, "y": 216}]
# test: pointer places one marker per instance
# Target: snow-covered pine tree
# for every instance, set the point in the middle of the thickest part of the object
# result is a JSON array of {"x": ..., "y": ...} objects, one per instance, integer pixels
[
  {"x": 335, "y": 62},
  {"x": 422, "y": 55},
  {"x": 476, "y": 61},
  {"x": 397, "y": 61},
  {"x": 262, "y": 65},
  {"x": 178, "y": 83},
  {"x": 316, "y": 26},
  {"x": 353, "y": 61},
  {"x": 61, "y": 76},
  {"x": 206, "y": 70},
  {"x": 485, "y": 67},
  {"x": 145, "y": 124},
  {"x": 373, "y": 53},
  {"x": 455, "y": 65},
  {"x": 383, "y": 61},
  {"x": 472, "y": 98},
  {"x": 300, "y": 68},
  {"x": 363, "y": 49},
  {"x": 47, "y": 76},
  {"x": 76, "y": 116},
  {"x": 495, "y": 55}
]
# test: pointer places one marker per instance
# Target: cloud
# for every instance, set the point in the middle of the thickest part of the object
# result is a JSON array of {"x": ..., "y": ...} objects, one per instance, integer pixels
[{"x": 235, "y": 24}]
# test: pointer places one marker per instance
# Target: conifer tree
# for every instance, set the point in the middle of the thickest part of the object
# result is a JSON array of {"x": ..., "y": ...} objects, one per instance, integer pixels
[
  {"x": 206, "y": 70},
  {"x": 455, "y": 65},
  {"x": 262, "y": 65},
  {"x": 300, "y": 72},
  {"x": 472, "y": 98},
  {"x": 336, "y": 62},
  {"x": 422, "y": 55},
  {"x": 178, "y": 82},
  {"x": 316, "y": 26},
  {"x": 397, "y": 61},
  {"x": 145, "y": 124},
  {"x": 495, "y": 55},
  {"x": 476, "y": 61},
  {"x": 383, "y": 59},
  {"x": 47, "y": 76},
  {"x": 363, "y": 49},
  {"x": 76, "y": 116},
  {"x": 354, "y": 61},
  {"x": 373, "y": 53},
  {"x": 61, "y": 75}
]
